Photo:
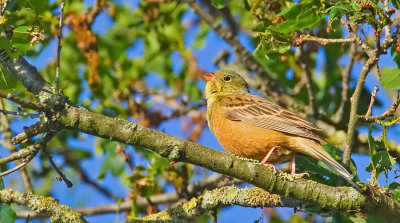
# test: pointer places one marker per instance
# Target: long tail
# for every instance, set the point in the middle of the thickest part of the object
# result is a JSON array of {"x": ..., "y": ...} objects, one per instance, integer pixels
[{"x": 315, "y": 150}]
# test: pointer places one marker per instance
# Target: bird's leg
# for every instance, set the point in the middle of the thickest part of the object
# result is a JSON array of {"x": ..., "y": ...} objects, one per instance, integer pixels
[
  {"x": 293, "y": 172},
  {"x": 264, "y": 161}
]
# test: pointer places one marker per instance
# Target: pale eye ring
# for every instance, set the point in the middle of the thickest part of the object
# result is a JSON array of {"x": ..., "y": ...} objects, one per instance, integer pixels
[{"x": 227, "y": 78}]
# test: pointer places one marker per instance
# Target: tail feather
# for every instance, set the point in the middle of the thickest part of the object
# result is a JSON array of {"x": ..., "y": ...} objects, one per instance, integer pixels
[{"x": 315, "y": 150}]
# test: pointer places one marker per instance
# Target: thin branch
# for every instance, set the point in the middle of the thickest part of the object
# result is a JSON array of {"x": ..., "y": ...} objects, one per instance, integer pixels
[
  {"x": 388, "y": 113},
  {"x": 372, "y": 101},
  {"x": 6, "y": 133},
  {"x": 60, "y": 27},
  {"x": 60, "y": 173},
  {"x": 98, "y": 7},
  {"x": 26, "y": 104},
  {"x": 85, "y": 178},
  {"x": 30, "y": 132},
  {"x": 323, "y": 41},
  {"x": 46, "y": 205},
  {"x": 338, "y": 117},
  {"x": 373, "y": 57},
  {"x": 353, "y": 108},
  {"x": 19, "y": 166},
  {"x": 194, "y": 189},
  {"x": 19, "y": 113},
  {"x": 127, "y": 157},
  {"x": 32, "y": 149},
  {"x": 302, "y": 58}
]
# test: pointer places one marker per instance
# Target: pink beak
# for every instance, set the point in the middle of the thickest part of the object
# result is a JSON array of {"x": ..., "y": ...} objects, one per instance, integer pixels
[{"x": 208, "y": 76}]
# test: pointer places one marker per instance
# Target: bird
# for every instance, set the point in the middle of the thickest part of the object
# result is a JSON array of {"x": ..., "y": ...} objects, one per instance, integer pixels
[{"x": 253, "y": 127}]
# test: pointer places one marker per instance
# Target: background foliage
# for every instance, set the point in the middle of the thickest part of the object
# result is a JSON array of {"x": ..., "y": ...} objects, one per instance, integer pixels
[{"x": 141, "y": 61}]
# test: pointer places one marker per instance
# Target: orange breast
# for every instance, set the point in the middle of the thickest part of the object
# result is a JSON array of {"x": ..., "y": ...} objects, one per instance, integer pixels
[{"x": 249, "y": 141}]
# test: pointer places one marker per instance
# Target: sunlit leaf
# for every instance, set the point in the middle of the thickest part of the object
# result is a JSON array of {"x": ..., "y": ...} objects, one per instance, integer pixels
[
  {"x": 219, "y": 4},
  {"x": 390, "y": 77},
  {"x": 7, "y": 214}
]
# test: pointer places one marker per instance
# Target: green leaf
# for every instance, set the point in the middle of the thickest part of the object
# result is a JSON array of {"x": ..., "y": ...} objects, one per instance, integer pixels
[
  {"x": 341, "y": 217},
  {"x": 7, "y": 214},
  {"x": 396, "y": 4},
  {"x": 219, "y": 4},
  {"x": 355, "y": 6},
  {"x": 113, "y": 162},
  {"x": 313, "y": 166},
  {"x": 21, "y": 38},
  {"x": 382, "y": 162},
  {"x": 338, "y": 10},
  {"x": 395, "y": 188},
  {"x": 200, "y": 38},
  {"x": 273, "y": 41},
  {"x": 80, "y": 154},
  {"x": 300, "y": 16},
  {"x": 390, "y": 78}
]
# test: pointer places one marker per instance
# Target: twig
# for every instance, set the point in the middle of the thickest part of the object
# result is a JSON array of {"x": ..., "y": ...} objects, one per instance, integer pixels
[
  {"x": 127, "y": 157},
  {"x": 30, "y": 132},
  {"x": 389, "y": 112},
  {"x": 6, "y": 133},
  {"x": 353, "y": 109},
  {"x": 338, "y": 117},
  {"x": 60, "y": 27},
  {"x": 302, "y": 58},
  {"x": 371, "y": 103},
  {"x": 26, "y": 104},
  {"x": 32, "y": 149},
  {"x": 20, "y": 165},
  {"x": 85, "y": 178},
  {"x": 98, "y": 7},
  {"x": 20, "y": 113},
  {"x": 41, "y": 143},
  {"x": 373, "y": 57},
  {"x": 60, "y": 173},
  {"x": 323, "y": 41}
]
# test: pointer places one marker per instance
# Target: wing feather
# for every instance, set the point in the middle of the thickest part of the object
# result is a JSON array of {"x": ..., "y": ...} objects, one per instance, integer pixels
[{"x": 257, "y": 111}]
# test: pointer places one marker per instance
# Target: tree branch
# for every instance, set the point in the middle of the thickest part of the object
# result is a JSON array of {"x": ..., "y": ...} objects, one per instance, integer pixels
[
  {"x": 6, "y": 133},
  {"x": 388, "y": 113},
  {"x": 373, "y": 57},
  {"x": 47, "y": 205},
  {"x": 174, "y": 148},
  {"x": 209, "y": 201},
  {"x": 194, "y": 189}
]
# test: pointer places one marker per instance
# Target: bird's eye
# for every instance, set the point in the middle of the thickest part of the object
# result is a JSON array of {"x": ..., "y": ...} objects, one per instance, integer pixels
[{"x": 227, "y": 78}]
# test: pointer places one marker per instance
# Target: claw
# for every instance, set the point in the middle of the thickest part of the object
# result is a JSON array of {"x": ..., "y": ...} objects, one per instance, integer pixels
[
  {"x": 268, "y": 165},
  {"x": 293, "y": 172},
  {"x": 299, "y": 174}
]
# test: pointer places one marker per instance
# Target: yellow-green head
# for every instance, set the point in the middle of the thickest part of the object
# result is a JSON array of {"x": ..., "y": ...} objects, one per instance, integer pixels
[{"x": 224, "y": 82}]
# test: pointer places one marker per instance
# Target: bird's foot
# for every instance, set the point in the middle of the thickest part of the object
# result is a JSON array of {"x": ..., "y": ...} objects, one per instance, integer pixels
[
  {"x": 268, "y": 165},
  {"x": 299, "y": 174}
]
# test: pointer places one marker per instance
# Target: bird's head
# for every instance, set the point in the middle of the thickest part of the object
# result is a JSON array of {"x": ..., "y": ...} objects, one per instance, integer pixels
[{"x": 224, "y": 82}]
